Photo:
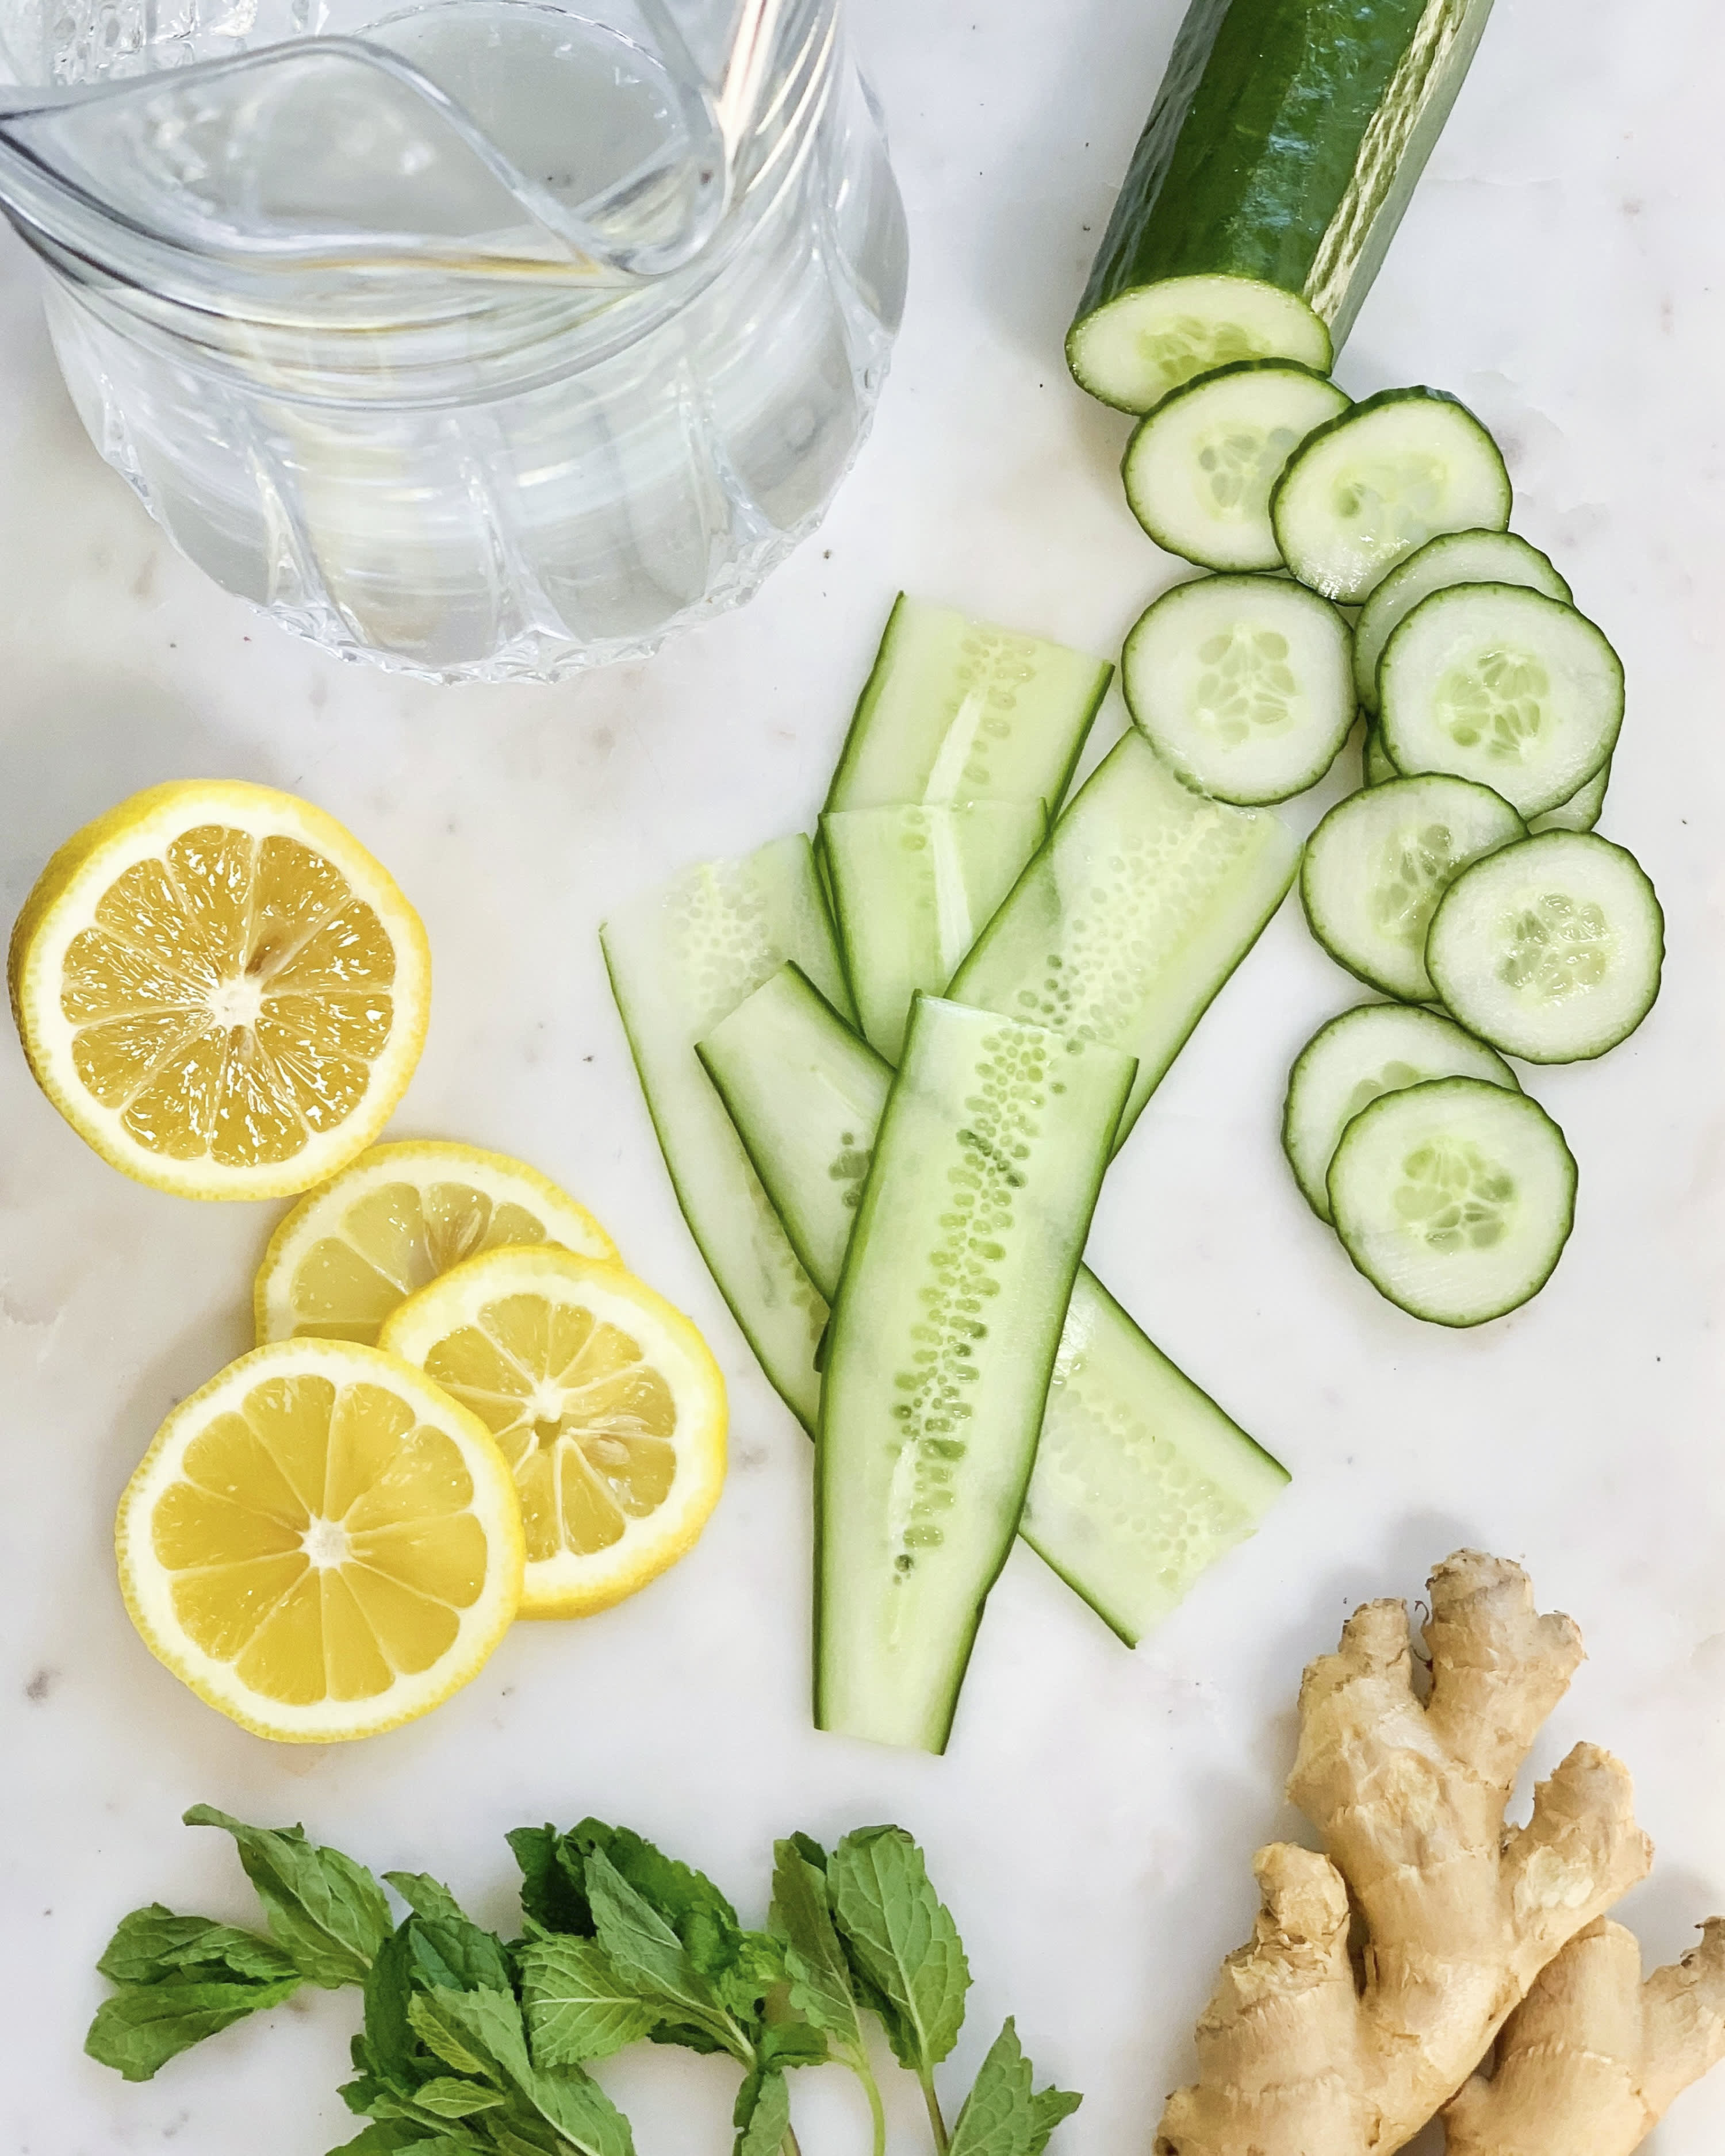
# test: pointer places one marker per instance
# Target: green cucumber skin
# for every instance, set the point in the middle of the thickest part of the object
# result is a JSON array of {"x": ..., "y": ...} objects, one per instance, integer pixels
[
  {"x": 1045, "y": 1163},
  {"x": 1250, "y": 154},
  {"x": 1107, "y": 1370}
]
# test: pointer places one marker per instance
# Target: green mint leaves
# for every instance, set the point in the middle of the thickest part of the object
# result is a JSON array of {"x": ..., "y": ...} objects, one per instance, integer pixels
[{"x": 474, "y": 2045}]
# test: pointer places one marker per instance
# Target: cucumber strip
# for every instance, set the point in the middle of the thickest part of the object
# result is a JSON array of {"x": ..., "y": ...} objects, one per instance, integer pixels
[
  {"x": 1370, "y": 489},
  {"x": 679, "y": 959},
  {"x": 1504, "y": 686},
  {"x": 1454, "y": 1198},
  {"x": 1581, "y": 811},
  {"x": 1452, "y": 557},
  {"x": 1375, "y": 766},
  {"x": 1140, "y": 1481},
  {"x": 1243, "y": 685},
  {"x": 986, "y": 1170},
  {"x": 1550, "y": 950},
  {"x": 1284, "y": 144},
  {"x": 1199, "y": 469},
  {"x": 1370, "y": 1050},
  {"x": 1142, "y": 901},
  {"x": 957, "y": 710},
  {"x": 1376, "y": 867},
  {"x": 913, "y": 887}
]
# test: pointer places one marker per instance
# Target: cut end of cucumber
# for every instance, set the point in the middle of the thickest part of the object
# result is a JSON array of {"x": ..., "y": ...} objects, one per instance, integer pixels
[
  {"x": 1453, "y": 1199},
  {"x": 1135, "y": 350}
]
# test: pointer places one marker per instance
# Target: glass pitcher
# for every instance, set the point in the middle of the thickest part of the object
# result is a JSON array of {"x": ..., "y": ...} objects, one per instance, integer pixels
[{"x": 447, "y": 334}]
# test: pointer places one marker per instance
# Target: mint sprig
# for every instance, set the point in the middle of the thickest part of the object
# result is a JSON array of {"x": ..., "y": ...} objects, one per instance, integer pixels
[{"x": 475, "y": 2046}]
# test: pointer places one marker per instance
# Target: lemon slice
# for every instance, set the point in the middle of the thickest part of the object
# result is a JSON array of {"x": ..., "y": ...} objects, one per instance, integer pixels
[
  {"x": 388, "y": 1225},
  {"x": 605, "y": 1401},
  {"x": 220, "y": 989},
  {"x": 321, "y": 1543}
]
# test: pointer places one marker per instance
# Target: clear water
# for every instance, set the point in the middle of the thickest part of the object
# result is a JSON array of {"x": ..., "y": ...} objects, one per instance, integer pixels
[{"x": 416, "y": 400}]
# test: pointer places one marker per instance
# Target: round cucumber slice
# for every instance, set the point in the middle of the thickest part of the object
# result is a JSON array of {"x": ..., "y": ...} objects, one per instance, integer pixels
[
  {"x": 1243, "y": 684},
  {"x": 1452, "y": 557},
  {"x": 1376, "y": 867},
  {"x": 1501, "y": 685},
  {"x": 1375, "y": 766},
  {"x": 1368, "y": 490},
  {"x": 1582, "y": 810},
  {"x": 1132, "y": 352},
  {"x": 1550, "y": 950},
  {"x": 1199, "y": 469},
  {"x": 1454, "y": 1198},
  {"x": 1368, "y": 1051}
]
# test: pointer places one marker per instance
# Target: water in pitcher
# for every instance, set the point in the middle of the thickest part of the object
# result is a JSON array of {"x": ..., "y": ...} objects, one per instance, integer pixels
[{"x": 384, "y": 340}]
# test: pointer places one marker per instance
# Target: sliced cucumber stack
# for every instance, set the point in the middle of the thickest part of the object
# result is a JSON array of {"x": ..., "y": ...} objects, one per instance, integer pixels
[
  {"x": 1198, "y": 471},
  {"x": 1140, "y": 1481},
  {"x": 1376, "y": 867},
  {"x": 1454, "y": 1197},
  {"x": 1452, "y": 557},
  {"x": 1496, "y": 683},
  {"x": 1355, "y": 1058},
  {"x": 1371, "y": 488},
  {"x": 1550, "y": 950},
  {"x": 974, "y": 1211},
  {"x": 956, "y": 710},
  {"x": 913, "y": 887},
  {"x": 1581, "y": 811},
  {"x": 1243, "y": 685},
  {"x": 1140, "y": 904}
]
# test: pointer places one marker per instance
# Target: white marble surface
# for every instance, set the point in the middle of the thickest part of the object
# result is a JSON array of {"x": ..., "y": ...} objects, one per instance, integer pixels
[{"x": 1563, "y": 268}]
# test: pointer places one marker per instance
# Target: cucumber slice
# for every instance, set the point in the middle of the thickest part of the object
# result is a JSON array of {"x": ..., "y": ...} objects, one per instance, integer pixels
[
  {"x": 1199, "y": 469},
  {"x": 1454, "y": 1198},
  {"x": 1581, "y": 811},
  {"x": 1284, "y": 144},
  {"x": 1452, "y": 557},
  {"x": 913, "y": 887},
  {"x": 1243, "y": 685},
  {"x": 680, "y": 958},
  {"x": 956, "y": 710},
  {"x": 1140, "y": 1481},
  {"x": 1142, "y": 902},
  {"x": 1550, "y": 950},
  {"x": 1375, "y": 766},
  {"x": 1363, "y": 493},
  {"x": 1495, "y": 683},
  {"x": 1368, "y": 1051},
  {"x": 986, "y": 1170},
  {"x": 1377, "y": 866}
]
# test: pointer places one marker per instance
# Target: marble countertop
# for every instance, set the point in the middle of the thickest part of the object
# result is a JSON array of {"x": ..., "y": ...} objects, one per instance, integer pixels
[{"x": 1563, "y": 268}]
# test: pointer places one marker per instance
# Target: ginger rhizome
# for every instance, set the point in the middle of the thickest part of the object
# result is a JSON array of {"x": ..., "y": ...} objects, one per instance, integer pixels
[
  {"x": 1593, "y": 2057},
  {"x": 1380, "y": 1971}
]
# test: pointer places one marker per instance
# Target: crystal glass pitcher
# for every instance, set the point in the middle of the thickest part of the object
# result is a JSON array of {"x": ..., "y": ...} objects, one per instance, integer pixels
[{"x": 461, "y": 337}]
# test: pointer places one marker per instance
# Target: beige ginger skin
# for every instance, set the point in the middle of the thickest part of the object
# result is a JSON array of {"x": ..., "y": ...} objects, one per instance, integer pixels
[{"x": 1304, "y": 2050}]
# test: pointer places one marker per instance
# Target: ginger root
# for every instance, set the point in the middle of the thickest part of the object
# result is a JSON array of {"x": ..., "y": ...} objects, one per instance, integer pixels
[
  {"x": 1592, "y": 2056},
  {"x": 1303, "y": 2053}
]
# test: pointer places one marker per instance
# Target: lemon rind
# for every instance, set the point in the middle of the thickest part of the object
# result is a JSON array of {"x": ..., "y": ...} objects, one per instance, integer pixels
[{"x": 144, "y": 1589}]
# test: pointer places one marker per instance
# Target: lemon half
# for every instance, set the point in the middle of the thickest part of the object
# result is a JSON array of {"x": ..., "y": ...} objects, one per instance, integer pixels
[
  {"x": 605, "y": 1401},
  {"x": 321, "y": 1543},
  {"x": 391, "y": 1224},
  {"x": 220, "y": 989}
]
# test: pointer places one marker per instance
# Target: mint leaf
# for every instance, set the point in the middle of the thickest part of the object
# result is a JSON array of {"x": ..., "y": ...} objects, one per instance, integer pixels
[
  {"x": 386, "y": 2137},
  {"x": 424, "y": 1896},
  {"x": 152, "y": 1944},
  {"x": 815, "y": 1966},
  {"x": 553, "y": 1892},
  {"x": 449, "y": 1953},
  {"x": 437, "y": 2019},
  {"x": 445, "y": 2098},
  {"x": 686, "y": 1900},
  {"x": 577, "y": 2007},
  {"x": 1048, "y": 2107},
  {"x": 762, "y": 2117},
  {"x": 326, "y": 1911},
  {"x": 140, "y": 2029},
  {"x": 899, "y": 1938},
  {"x": 649, "y": 1956},
  {"x": 579, "y": 2110}
]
